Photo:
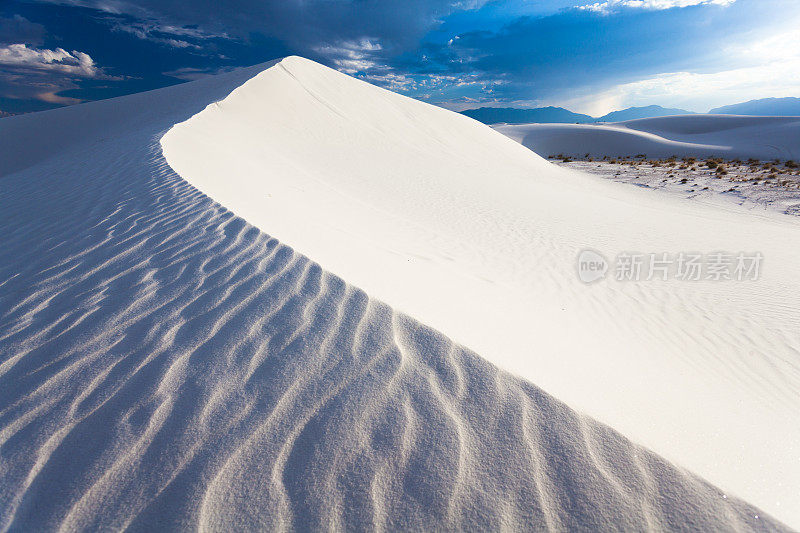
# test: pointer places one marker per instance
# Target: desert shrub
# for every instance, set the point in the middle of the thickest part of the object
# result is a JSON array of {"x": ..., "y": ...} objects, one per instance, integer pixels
[
  {"x": 790, "y": 164},
  {"x": 712, "y": 164}
]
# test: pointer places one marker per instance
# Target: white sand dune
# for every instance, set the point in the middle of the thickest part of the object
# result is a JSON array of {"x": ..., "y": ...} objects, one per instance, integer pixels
[
  {"x": 728, "y": 136},
  {"x": 470, "y": 233},
  {"x": 166, "y": 365}
]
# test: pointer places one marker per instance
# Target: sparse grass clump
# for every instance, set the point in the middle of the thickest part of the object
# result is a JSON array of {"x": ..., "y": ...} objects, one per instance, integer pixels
[{"x": 748, "y": 173}]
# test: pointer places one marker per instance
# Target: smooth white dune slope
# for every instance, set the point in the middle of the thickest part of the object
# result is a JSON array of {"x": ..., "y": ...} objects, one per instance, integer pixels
[
  {"x": 728, "y": 136},
  {"x": 467, "y": 231},
  {"x": 165, "y": 365}
]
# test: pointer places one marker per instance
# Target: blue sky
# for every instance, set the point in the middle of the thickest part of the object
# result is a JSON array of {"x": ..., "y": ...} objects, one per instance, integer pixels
[{"x": 587, "y": 55}]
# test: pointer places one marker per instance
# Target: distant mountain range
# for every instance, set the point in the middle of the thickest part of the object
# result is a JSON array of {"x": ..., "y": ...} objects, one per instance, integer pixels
[
  {"x": 548, "y": 115},
  {"x": 632, "y": 113},
  {"x": 767, "y": 106},
  {"x": 513, "y": 115}
]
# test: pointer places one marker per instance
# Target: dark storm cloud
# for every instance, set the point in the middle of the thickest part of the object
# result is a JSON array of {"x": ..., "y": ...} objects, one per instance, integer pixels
[
  {"x": 302, "y": 24},
  {"x": 18, "y": 29}
]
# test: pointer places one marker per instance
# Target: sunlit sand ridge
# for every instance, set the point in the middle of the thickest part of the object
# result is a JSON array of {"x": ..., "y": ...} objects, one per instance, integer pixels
[{"x": 472, "y": 234}]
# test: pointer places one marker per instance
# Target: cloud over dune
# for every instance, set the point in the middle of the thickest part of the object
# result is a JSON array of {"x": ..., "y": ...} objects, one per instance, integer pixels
[
  {"x": 651, "y": 4},
  {"x": 508, "y": 52}
]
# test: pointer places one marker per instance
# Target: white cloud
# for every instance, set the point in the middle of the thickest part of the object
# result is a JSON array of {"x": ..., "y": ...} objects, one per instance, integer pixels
[
  {"x": 351, "y": 57},
  {"x": 41, "y": 73},
  {"x": 609, "y": 5},
  {"x": 75, "y": 64},
  {"x": 170, "y": 35},
  {"x": 766, "y": 68},
  {"x": 392, "y": 81},
  {"x": 361, "y": 58}
]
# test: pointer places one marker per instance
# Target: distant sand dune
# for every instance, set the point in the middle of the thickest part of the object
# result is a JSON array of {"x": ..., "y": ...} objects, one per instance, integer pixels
[{"x": 728, "y": 136}]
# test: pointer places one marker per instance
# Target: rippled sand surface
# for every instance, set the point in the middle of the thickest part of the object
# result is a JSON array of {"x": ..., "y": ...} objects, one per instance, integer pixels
[{"x": 164, "y": 365}]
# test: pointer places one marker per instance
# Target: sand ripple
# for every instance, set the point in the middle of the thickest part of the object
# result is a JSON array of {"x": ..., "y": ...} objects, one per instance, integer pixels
[{"x": 164, "y": 365}]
